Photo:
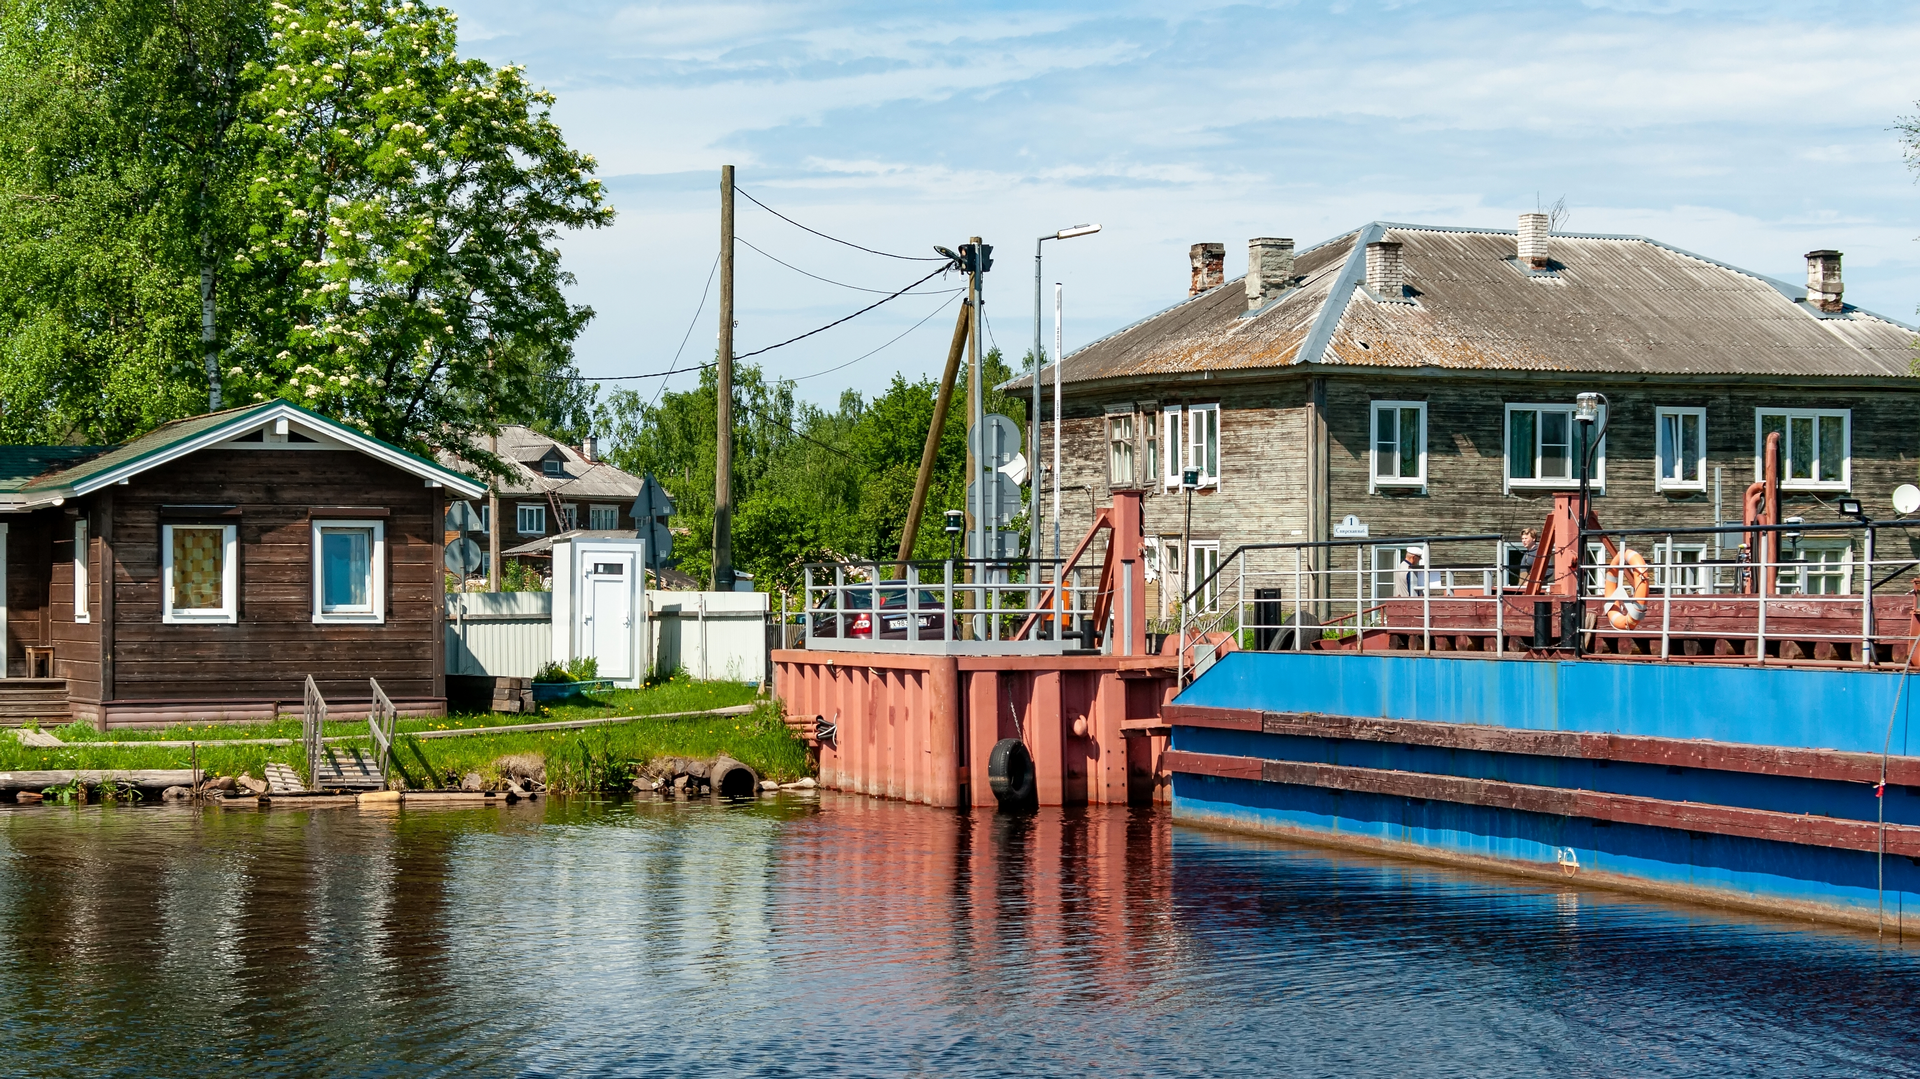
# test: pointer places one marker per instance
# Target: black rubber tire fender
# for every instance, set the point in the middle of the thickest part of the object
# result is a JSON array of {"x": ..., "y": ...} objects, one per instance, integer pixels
[{"x": 1010, "y": 774}]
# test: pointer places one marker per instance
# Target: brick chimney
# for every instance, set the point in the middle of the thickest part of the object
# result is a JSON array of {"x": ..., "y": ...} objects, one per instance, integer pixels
[
  {"x": 590, "y": 448},
  {"x": 1269, "y": 269},
  {"x": 1823, "y": 280},
  {"x": 1532, "y": 236},
  {"x": 1386, "y": 270},
  {"x": 1209, "y": 267}
]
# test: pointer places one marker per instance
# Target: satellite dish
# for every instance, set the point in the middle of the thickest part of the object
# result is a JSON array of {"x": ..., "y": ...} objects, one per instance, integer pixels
[
  {"x": 1906, "y": 499},
  {"x": 463, "y": 556}
]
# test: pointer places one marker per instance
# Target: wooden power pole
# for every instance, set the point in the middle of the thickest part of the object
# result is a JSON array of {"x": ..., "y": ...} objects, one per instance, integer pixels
[
  {"x": 961, "y": 328},
  {"x": 722, "y": 580}
]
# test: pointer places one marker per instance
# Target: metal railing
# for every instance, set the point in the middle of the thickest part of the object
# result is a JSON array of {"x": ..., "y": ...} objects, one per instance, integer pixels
[
  {"x": 881, "y": 605},
  {"x": 1813, "y": 593}
]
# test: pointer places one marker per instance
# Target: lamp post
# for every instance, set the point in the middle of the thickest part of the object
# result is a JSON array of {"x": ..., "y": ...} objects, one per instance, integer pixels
[
  {"x": 1588, "y": 408},
  {"x": 1033, "y": 511}
]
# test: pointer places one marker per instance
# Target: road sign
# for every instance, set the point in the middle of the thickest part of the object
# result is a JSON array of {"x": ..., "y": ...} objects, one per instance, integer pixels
[
  {"x": 463, "y": 555},
  {"x": 653, "y": 501},
  {"x": 1009, "y": 545},
  {"x": 462, "y": 517},
  {"x": 1351, "y": 527},
  {"x": 999, "y": 440},
  {"x": 985, "y": 511},
  {"x": 659, "y": 542}
]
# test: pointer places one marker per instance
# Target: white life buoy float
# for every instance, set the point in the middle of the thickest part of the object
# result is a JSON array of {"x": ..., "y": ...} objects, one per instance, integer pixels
[{"x": 1626, "y": 586}]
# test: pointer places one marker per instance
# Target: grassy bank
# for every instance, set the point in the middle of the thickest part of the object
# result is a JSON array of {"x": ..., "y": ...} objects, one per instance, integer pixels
[{"x": 598, "y": 758}]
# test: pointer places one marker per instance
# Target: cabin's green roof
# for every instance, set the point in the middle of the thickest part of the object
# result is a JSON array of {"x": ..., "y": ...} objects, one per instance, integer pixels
[
  {"x": 19, "y": 464},
  {"x": 27, "y": 470}
]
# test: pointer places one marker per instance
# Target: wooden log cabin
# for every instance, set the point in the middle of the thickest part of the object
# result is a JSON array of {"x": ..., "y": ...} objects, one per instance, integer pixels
[
  {"x": 202, "y": 571},
  {"x": 1422, "y": 380}
]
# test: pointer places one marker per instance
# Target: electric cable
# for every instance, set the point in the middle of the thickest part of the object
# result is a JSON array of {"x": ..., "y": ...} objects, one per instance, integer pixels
[
  {"x": 910, "y": 329},
  {"x": 829, "y": 280},
  {"x": 838, "y": 321},
  {"x": 704, "y": 293},
  {"x": 885, "y": 254}
]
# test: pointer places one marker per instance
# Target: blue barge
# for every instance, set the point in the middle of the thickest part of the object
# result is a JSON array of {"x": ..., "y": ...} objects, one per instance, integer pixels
[{"x": 1755, "y": 785}]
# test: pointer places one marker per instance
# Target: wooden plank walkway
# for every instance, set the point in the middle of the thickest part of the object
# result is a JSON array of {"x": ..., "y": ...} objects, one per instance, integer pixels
[{"x": 282, "y": 779}]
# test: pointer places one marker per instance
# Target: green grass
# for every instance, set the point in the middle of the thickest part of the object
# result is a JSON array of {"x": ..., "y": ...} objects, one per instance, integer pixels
[{"x": 598, "y": 758}]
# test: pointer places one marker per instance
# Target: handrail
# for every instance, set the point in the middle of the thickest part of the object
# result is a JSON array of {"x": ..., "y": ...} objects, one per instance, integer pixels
[
  {"x": 381, "y": 715},
  {"x": 1383, "y": 541},
  {"x": 313, "y": 722}
]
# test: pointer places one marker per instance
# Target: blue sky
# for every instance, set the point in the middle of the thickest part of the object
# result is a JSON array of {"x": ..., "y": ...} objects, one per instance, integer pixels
[{"x": 1749, "y": 132}]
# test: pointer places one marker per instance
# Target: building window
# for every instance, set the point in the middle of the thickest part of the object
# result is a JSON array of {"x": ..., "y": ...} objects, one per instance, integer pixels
[
  {"x": 81, "y": 586},
  {"x": 199, "y": 572},
  {"x": 1203, "y": 563},
  {"x": 1192, "y": 440},
  {"x": 1680, "y": 449},
  {"x": 1120, "y": 449},
  {"x": 552, "y": 467},
  {"x": 533, "y": 519},
  {"x": 603, "y": 518},
  {"x": 1172, "y": 574},
  {"x": 1150, "y": 422},
  {"x": 1817, "y": 568},
  {"x": 1545, "y": 446},
  {"x": 1391, "y": 577},
  {"x": 569, "y": 517},
  {"x": 1677, "y": 569},
  {"x": 349, "y": 571},
  {"x": 1814, "y": 446},
  {"x": 1399, "y": 444}
]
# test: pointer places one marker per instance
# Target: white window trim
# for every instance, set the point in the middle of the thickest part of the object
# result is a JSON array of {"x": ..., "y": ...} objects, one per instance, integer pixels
[
  {"x": 377, "y": 595},
  {"x": 1181, "y": 447},
  {"x": 1209, "y": 601},
  {"x": 1796, "y": 568},
  {"x": 1172, "y": 434},
  {"x": 570, "y": 516},
  {"x": 1845, "y": 482},
  {"x": 1598, "y": 482},
  {"x": 1666, "y": 572},
  {"x": 1660, "y": 480},
  {"x": 229, "y": 610},
  {"x": 1131, "y": 441},
  {"x": 592, "y": 509},
  {"x": 1196, "y": 441},
  {"x": 1375, "y": 481},
  {"x": 82, "y": 572},
  {"x": 520, "y": 507}
]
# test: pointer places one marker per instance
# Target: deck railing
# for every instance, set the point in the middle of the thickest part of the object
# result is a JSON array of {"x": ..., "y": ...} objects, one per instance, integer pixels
[
  {"x": 927, "y": 606},
  {"x": 1817, "y": 594}
]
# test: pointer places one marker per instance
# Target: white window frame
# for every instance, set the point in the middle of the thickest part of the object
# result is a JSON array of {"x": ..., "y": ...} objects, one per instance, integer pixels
[
  {"x": 1844, "y": 483},
  {"x": 1375, "y": 480},
  {"x": 1171, "y": 419},
  {"x": 1184, "y": 434},
  {"x": 1203, "y": 558},
  {"x": 1385, "y": 582},
  {"x": 1597, "y": 482},
  {"x": 520, "y": 511},
  {"x": 553, "y": 468},
  {"x": 1793, "y": 571},
  {"x": 1174, "y": 576},
  {"x": 229, "y": 610},
  {"x": 570, "y": 516},
  {"x": 377, "y": 570},
  {"x": 1698, "y": 456},
  {"x": 82, "y": 572},
  {"x": 1687, "y": 578},
  {"x": 596, "y": 512},
  {"x": 1121, "y": 448}
]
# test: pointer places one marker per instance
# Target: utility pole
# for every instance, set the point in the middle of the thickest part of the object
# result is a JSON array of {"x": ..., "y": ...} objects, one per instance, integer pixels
[
  {"x": 944, "y": 401},
  {"x": 976, "y": 534},
  {"x": 493, "y": 521},
  {"x": 723, "y": 399}
]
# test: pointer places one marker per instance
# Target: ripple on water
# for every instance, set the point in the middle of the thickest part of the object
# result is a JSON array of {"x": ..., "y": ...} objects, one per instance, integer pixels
[{"x": 857, "y": 937}]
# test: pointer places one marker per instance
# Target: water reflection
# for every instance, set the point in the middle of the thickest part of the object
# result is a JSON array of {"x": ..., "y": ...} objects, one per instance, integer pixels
[{"x": 862, "y": 937}]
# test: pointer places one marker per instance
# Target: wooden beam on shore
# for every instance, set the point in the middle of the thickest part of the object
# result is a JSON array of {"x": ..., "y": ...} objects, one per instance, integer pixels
[{"x": 144, "y": 778}]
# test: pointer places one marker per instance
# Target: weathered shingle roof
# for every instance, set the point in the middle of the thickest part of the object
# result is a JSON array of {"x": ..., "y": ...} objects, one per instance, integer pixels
[
  {"x": 579, "y": 478},
  {"x": 1622, "y": 304}
]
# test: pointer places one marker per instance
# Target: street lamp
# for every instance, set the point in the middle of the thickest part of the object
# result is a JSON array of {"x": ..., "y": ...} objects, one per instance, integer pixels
[
  {"x": 956, "y": 522},
  {"x": 1033, "y": 512},
  {"x": 1587, "y": 408}
]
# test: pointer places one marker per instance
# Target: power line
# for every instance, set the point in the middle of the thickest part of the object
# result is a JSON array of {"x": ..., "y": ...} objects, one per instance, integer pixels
[
  {"x": 838, "y": 321},
  {"x": 798, "y": 435},
  {"x": 662, "y": 388},
  {"x": 836, "y": 239},
  {"x": 704, "y": 293},
  {"x": 948, "y": 303},
  {"x": 829, "y": 280}
]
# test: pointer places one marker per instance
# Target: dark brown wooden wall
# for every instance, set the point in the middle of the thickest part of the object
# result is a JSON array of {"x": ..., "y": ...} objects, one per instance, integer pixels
[
  {"x": 29, "y": 559},
  {"x": 275, "y": 643}
]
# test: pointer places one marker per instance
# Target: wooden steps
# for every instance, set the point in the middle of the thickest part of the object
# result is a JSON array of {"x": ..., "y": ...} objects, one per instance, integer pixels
[
  {"x": 282, "y": 779},
  {"x": 348, "y": 768}
]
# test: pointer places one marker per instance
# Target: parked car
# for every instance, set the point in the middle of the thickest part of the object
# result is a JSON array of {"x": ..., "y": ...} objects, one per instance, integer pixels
[{"x": 855, "y": 619}]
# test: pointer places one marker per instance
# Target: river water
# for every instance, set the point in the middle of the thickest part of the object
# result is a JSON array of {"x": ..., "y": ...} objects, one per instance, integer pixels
[{"x": 837, "y": 935}]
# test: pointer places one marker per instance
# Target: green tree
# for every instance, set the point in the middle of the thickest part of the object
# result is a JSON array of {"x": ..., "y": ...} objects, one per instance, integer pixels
[{"x": 406, "y": 204}]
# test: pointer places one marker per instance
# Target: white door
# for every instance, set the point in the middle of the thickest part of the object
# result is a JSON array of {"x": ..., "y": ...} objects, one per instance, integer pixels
[{"x": 608, "y": 617}]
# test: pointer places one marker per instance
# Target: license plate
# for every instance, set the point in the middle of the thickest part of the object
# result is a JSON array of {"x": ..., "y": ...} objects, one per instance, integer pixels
[
  {"x": 926, "y": 620},
  {"x": 896, "y": 623}
]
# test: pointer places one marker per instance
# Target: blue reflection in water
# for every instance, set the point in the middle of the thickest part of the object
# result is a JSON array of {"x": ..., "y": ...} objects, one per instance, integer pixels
[{"x": 848, "y": 936}]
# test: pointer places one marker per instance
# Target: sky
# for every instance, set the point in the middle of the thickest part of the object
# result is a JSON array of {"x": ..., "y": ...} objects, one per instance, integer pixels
[{"x": 1748, "y": 132}]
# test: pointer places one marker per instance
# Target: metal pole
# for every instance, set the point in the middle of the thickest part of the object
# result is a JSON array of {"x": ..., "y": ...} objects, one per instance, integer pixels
[
  {"x": 976, "y": 536},
  {"x": 1866, "y": 604},
  {"x": 1057, "y": 291},
  {"x": 1033, "y": 472}
]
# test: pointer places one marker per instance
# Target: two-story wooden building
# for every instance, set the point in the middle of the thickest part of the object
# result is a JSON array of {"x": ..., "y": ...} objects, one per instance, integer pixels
[
  {"x": 1423, "y": 380},
  {"x": 206, "y": 568}
]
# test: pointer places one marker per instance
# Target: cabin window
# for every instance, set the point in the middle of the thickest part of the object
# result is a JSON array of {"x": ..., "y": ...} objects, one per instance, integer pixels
[
  {"x": 1150, "y": 422},
  {"x": 1815, "y": 452},
  {"x": 569, "y": 517},
  {"x": 551, "y": 467},
  {"x": 1171, "y": 573},
  {"x": 1680, "y": 438},
  {"x": 1120, "y": 449},
  {"x": 1399, "y": 444},
  {"x": 199, "y": 570},
  {"x": 349, "y": 571},
  {"x": 1545, "y": 446},
  {"x": 81, "y": 611},
  {"x": 533, "y": 519},
  {"x": 1192, "y": 440},
  {"x": 603, "y": 518},
  {"x": 1391, "y": 578}
]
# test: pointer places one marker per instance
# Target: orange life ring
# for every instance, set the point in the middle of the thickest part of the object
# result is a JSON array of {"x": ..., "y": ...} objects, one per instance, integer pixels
[{"x": 1626, "y": 586}]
